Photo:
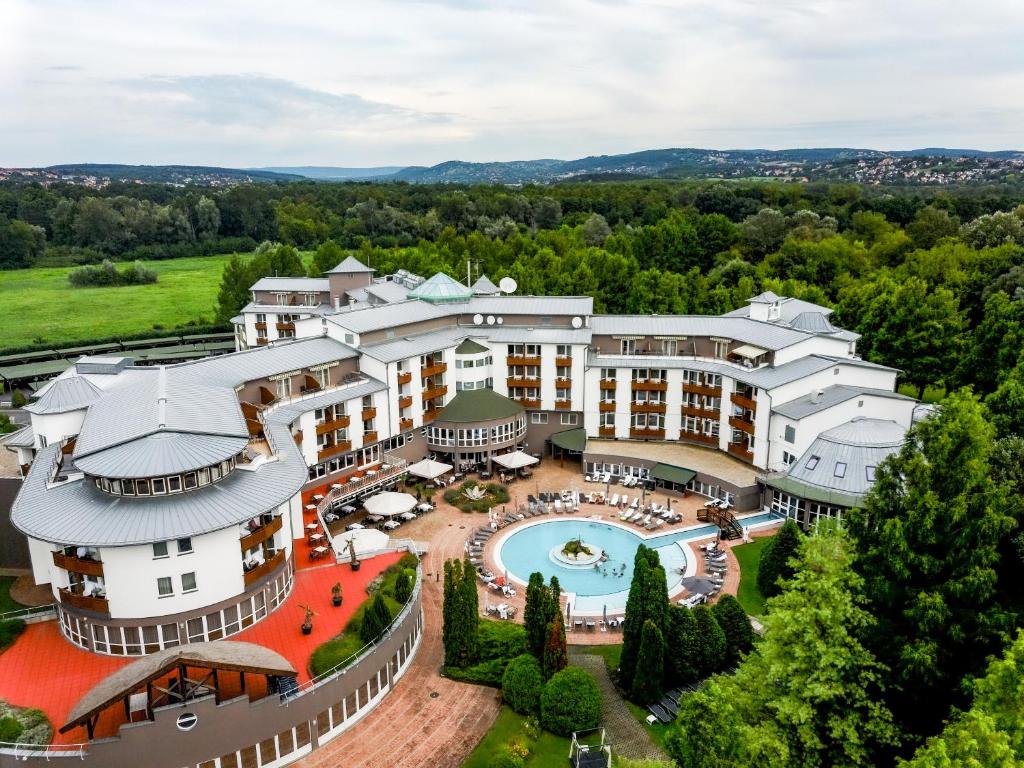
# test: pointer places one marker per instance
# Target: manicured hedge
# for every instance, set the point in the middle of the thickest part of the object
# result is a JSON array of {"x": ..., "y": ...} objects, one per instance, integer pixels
[
  {"x": 522, "y": 683},
  {"x": 570, "y": 701}
]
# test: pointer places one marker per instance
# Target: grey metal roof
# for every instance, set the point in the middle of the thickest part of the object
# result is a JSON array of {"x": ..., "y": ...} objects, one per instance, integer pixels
[
  {"x": 807, "y": 405},
  {"x": 307, "y": 284},
  {"x": 290, "y": 309},
  {"x": 349, "y": 266},
  {"x": 582, "y": 306},
  {"x": 405, "y": 347},
  {"x": 441, "y": 289},
  {"x": 789, "y": 308},
  {"x": 366, "y": 319},
  {"x": 812, "y": 322},
  {"x": 846, "y": 457},
  {"x": 388, "y": 291},
  {"x": 67, "y": 393},
  {"x": 541, "y": 334},
  {"x": 22, "y": 438},
  {"x": 484, "y": 287},
  {"x": 78, "y": 513},
  {"x": 162, "y": 453},
  {"x": 766, "y": 335},
  {"x": 768, "y": 297}
]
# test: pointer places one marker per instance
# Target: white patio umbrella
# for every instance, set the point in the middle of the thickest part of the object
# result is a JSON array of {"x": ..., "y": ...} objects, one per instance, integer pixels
[
  {"x": 514, "y": 460},
  {"x": 389, "y": 504},
  {"x": 429, "y": 469}
]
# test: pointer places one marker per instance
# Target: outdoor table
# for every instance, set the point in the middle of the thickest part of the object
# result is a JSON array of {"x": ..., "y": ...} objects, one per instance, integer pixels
[
  {"x": 390, "y": 525},
  {"x": 424, "y": 507},
  {"x": 336, "y": 486},
  {"x": 310, "y": 506},
  {"x": 373, "y": 518},
  {"x": 318, "y": 496},
  {"x": 312, "y": 526},
  {"x": 355, "y": 527},
  {"x": 317, "y": 537},
  {"x": 317, "y": 553},
  {"x": 348, "y": 509}
]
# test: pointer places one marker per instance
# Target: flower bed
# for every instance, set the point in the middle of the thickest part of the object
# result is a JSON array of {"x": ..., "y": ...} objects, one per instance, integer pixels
[{"x": 472, "y": 496}]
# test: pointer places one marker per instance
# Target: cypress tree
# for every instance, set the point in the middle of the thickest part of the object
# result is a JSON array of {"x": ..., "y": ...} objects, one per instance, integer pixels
[
  {"x": 556, "y": 653},
  {"x": 633, "y": 621},
  {"x": 650, "y": 665},
  {"x": 535, "y": 615},
  {"x": 680, "y": 664},
  {"x": 775, "y": 563},
  {"x": 468, "y": 616},
  {"x": 710, "y": 642},
  {"x": 739, "y": 635},
  {"x": 554, "y": 596},
  {"x": 448, "y": 624},
  {"x": 376, "y": 619}
]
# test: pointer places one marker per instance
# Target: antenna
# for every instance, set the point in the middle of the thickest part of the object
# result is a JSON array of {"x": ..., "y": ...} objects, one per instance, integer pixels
[{"x": 470, "y": 263}]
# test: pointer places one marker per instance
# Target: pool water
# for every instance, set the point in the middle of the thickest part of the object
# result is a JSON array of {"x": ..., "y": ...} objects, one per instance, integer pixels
[{"x": 605, "y": 587}]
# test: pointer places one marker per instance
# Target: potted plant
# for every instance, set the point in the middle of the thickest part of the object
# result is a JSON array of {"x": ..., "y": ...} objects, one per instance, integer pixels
[
  {"x": 336, "y": 594},
  {"x": 307, "y": 621},
  {"x": 351, "y": 547}
]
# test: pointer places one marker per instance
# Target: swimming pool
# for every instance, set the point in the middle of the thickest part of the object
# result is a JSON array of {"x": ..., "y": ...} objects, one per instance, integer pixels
[{"x": 605, "y": 587}]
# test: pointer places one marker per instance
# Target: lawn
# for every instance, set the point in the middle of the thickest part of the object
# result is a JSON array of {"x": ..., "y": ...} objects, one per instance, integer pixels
[
  {"x": 749, "y": 558},
  {"x": 50, "y": 311},
  {"x": 546, "y": 749},
  {"x": 931, "y": 394}
]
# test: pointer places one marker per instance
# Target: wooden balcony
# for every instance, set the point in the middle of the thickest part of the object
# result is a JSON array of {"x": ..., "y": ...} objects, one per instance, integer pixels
[
  {"x": 369, "y": 437},
  {"x": 700, "y": 413},
  {"x": 285, "y": 327},
  {"x": 650, "y": 385},
  {"x": 701, "y": 389},
  {"x": 606, "y": 431},
  {"x": 523, "y": 360},
  {"x": 740, "y": 451},
  {"x": 647, "y": 433},
  {"x": 607, "y": 384},
  {"x": 743, "y": 401},
  {"x": 561, "y": 383},
  {"x": 433, "y": 394},
  {"x": 432, "y": 370},
  {"x": 264, "y": 569},
  {"x": 260, "y": 534},
  {"x": 333, "y": 450},
  {"x": 527, "y": 402},
  {"x": 741, "y": 424},
  {"x": 311, "y": 384},
  {"x": 78, "y": 564},
  {"x": 262, "y": 341},
  {"x": 330, "y": 426},
  {"x": 563, "y": 405},
  {"x": 404, "y": 377},
  {"x": 369, "y": 413},
  {"x": 524, "y": 381},
  {"x": 298, "y": 437},
  {"x": 699, "y": 437},
  {"x": 430, "y": 414},
  {"x": 404, "y": 401},
  {"x": 648, "y": 407},
  {"x": 606, "y": 406},
  {"x": 405, "y": 424},
  {"x": 563, "y": 362},
  {"x": 74, "y": 600},
  {"x": 261, "y": 326}
]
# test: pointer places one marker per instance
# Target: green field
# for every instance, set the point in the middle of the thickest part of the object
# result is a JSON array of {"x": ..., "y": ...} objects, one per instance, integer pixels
[
  {"x": 546, "y": 749},
  {"x": 749, "y": 558}
]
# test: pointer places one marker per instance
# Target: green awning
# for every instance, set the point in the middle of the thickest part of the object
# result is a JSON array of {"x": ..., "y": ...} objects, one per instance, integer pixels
[
  {"x": 670, "y": 473},
  {"x": 574, "y": 440}
]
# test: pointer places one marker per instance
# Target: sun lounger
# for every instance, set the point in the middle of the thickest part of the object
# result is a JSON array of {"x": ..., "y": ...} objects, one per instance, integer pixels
[
  {"x": 669, "y": 706},
  {"x": 615, "y": 500},
  {"x": 663, "y": 716}
]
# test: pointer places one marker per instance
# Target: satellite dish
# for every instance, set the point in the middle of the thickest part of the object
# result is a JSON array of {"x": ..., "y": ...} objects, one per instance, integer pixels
[
  {"x": 501, "y": 320},
  {"x": 490, "y": 319},
  {"x": 507, "y": 285},
  {"x": 577, "y": 322},
  {"x": 478, "y": 319}
]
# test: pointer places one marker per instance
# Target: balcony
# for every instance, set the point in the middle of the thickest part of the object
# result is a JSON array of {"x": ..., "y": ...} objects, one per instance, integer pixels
[
  {"x": 430, "y": 414},
  {"x": 561, "y": 383},
  {"x": 648, "y": 407},
  {"x": 405, "y": 401},
  {"x": 261, "y": 326},
  {"x": 741, "y": 424},
  {"x": 369, "y": 413},
  {"x": 311, "y": 384},
  {"x": 606, "y": 406},
  {"x": 699, "y": 437},
  {"x": 433, "y": 394},
  {"x": 563, "y": 405},
  {"x": 607, "y": 384},
  {"x": 78, "y": 564},
  {"x": 83, "y": 602},
  {"x": 527, "y": 402},
  {"x": 264, "y": 569},
  {"x": 333, "y": 450},
  {"x": 650, "y": 385},
  {"x": 405, "y": 424},
  {"x": 647, "y": 433},
  {"x": 404, "y": 377},
  {"x": 700, "y": 413},
  {"x": 369, "y": 437},
  {"x": 606, "y": 431},
  {"x": 740, "y": 451},
  {"x": 563, "y": 362},
  {"x": 432, "y": 370},
  {"x": 334, "y": 424},
  {"x": 262, "y": 341},
  {"x": 298, "y": 437},
  {"x": 523, "y": 381},
  {"x": 523, "y": 360},
  {"x": 743, "y": 401},
  {"x": 702, "y": 389},
  {"x": 261, "y": 534},
  {"x": 285, "y": 327}
]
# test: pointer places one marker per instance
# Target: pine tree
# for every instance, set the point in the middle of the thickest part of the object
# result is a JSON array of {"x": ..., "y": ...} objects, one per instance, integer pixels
[
  {"x": 469, "y": 616},
  {"x": 648, "y": 599},
  {"x": 450, "y": 628},
  {"x": 554, "y": 598},
  {"x": 556, "y": 653},
  {"x": 650, "y": 665},
  {"x": 535, "y": 615},
  {"x": 681, "y": 638},
  {"x": 234, "y": 292},
  {"x": 739, "y": 635},
  {"x": 710, "y": 642},
  {"x": 776, "y": 557}
]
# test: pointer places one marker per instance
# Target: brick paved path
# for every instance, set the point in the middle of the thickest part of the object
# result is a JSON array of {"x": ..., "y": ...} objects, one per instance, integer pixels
[{"x": 627, "y": 735}]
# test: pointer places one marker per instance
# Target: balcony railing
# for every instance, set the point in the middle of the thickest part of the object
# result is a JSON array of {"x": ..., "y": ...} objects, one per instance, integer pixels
[
  {"x": 430, "y": 414},
  {"x": 606, "y": 406},
  {"x": 606, "y": 431},
  {"x": 743, "y": 401},
  {"x": 563, "y": 362},
  {"x": 522, "y": 381},
  {"x": 432, "y": 370},
  {"x": 334, "y": 424},
  {"x": 405, "y": 424},
  {"x": 404, "y": 377},
  {"x": 650, "y": 385},
  {"x": 700, "y": 413},
  {"x": 647, "y": 433},
  {"x": 83, "y": 602},
  {"x": 523, "y": 360},
  {"x": 261, "y": 534},
  {"x": 285, "y": 326},
  {"x": 262, "y": 341},
  {"x": 740, "y": 451},
  {"x": 264, "y": 569},
  {"x": 369, "y": 413},
  {"x": 298, "y": 437},
  {"x": 78, "y": 564},
  {"x": 528, "y": 402},
  {"x": 648, "y": 407},
  {"x": 741, "y": 424},
  {"x": 436, "y": 392},
  {"x": 561, "y": 383},
  {"x": 261, "y": 326},
  {"x": 563, "y": 405},
  {"x": 702, "y": 389},
  {"x": 333, "y": 450},
  {"x": 699, "y": 437},
  {"x": 369, "y": 437},
  {"x": 404, "y": 401},
  {"x": 607, "y": 384}
]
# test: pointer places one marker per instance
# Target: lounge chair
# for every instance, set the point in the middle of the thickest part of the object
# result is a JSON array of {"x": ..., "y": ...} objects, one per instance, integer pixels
[
  {"x": 663, "y": 717},
  {"x": 615, "y": 500},
  {"x": 669, "y": 706}
]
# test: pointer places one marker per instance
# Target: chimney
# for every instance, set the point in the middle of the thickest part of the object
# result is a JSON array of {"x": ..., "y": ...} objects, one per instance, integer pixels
[
  {"x": 337, "y": 303},
  {"x": 816, "y": 395}
]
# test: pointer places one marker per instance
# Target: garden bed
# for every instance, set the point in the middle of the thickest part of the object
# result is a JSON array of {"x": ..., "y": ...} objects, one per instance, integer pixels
[{"x": 472, "y": 496}]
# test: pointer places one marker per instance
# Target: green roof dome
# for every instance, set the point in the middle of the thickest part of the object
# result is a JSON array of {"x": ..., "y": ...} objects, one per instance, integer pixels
[
  {"x": 470, "y": 347},
  {"x": 441, "y": 289},
  {"x": 475, "y": 405}
]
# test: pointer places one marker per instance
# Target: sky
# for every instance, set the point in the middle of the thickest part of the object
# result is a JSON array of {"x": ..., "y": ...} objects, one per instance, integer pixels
[{"x": 417, "y": 82}]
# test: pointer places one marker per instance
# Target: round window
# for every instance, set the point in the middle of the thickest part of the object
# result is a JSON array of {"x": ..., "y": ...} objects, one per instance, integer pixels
[{"x": 187, "y": 721}]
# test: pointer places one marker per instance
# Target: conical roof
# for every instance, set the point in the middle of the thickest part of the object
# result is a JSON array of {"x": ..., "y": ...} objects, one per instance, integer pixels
[
  {"x": 470, "y": 347},
  {"x": 484, "y": 287},
  {"x": 349, "y": 266},
  {"x": 441, "y": 289},
  {"x": 67, "y": 394}
]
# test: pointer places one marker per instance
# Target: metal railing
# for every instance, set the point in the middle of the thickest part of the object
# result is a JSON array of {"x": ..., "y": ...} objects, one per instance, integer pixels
[
  {"x": 396, "y": 466},
  {"x": 35, "y": 612},
  {"x": 45, "y": 751}
]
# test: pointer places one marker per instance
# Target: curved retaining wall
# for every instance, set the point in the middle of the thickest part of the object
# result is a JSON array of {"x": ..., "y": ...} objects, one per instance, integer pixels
[{"x": 266, "y": 733}]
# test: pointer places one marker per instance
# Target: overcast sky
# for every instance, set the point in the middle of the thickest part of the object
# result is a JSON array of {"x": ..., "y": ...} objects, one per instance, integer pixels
[{"x": 385, "y": 82}]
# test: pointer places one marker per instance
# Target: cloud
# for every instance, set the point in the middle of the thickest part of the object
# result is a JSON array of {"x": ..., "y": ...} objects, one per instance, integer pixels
[{"x": 65, "y": 68}]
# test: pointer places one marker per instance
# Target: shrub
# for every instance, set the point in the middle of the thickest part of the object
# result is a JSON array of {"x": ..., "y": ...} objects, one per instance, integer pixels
[
  {"x": 403, "y": 585},
  {"x": 106, "y": 274},
  {"x": 25, "y": 726},
  {"x": 570, "y": 701},
  {"x": 18, "y": 399},
  {"x": 499, "y": 643},
  {"x": 739, "y": 635},
  {"x": 522, "y": 683},
  {"x": 375, "y": 620},
  {"x": 495, "y": 494},
  {"x": 650, "y": 665},
  {"x": 775, "y": 559},
  {"x": 10, "y": 729},
  {"x": 9, "y": 632},
  {"x": 710, "y": 642}
]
